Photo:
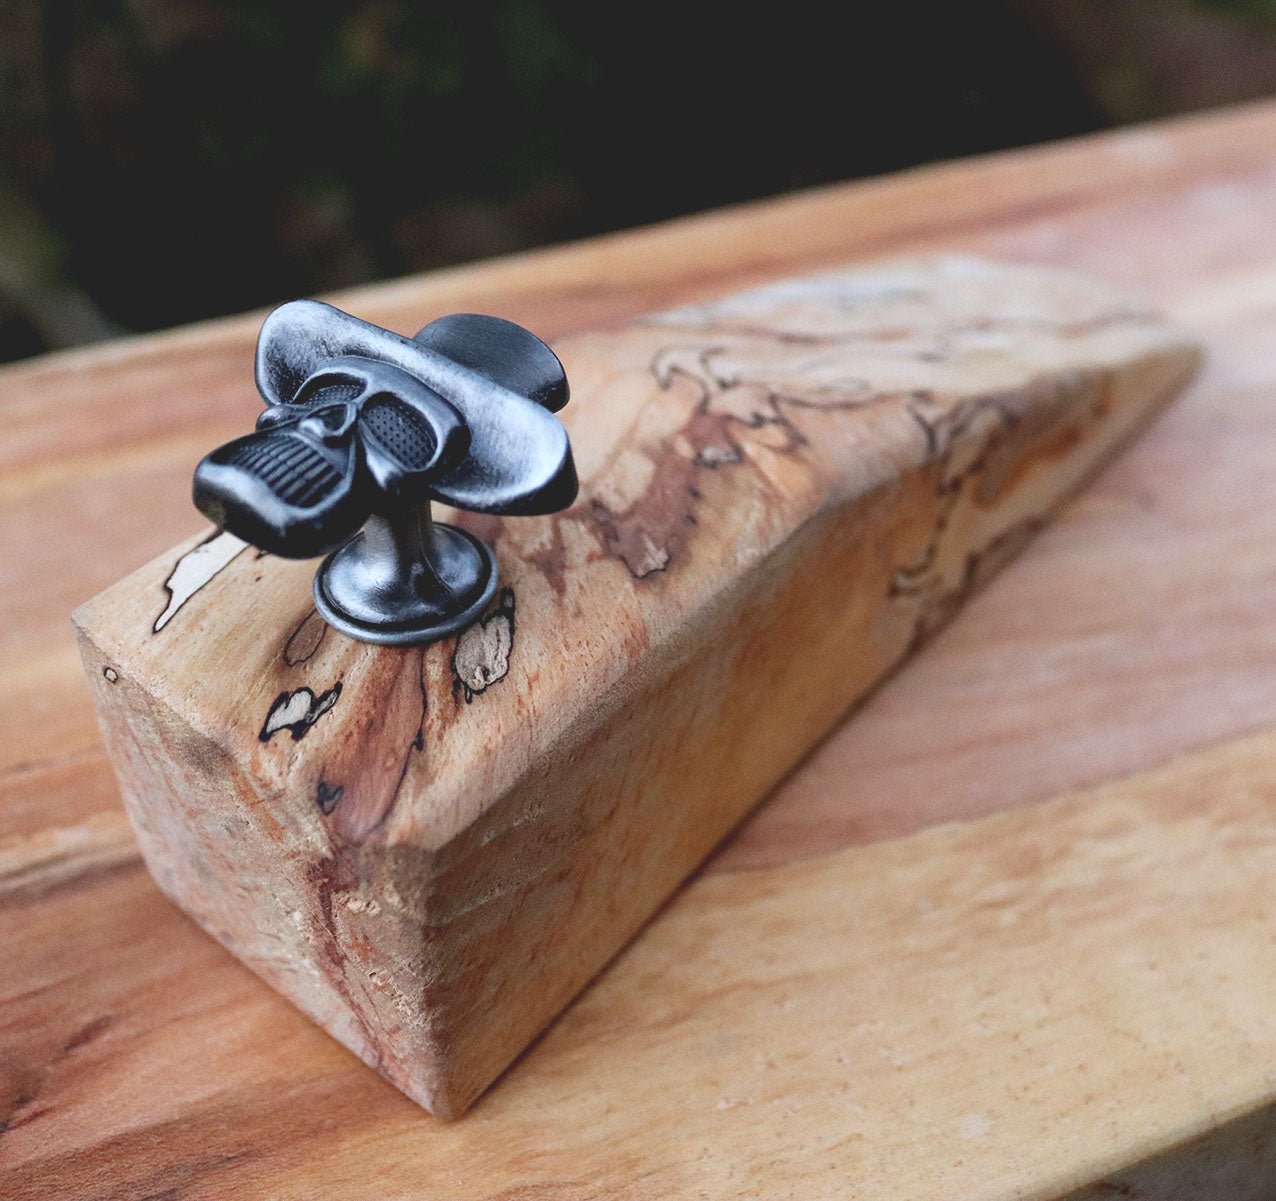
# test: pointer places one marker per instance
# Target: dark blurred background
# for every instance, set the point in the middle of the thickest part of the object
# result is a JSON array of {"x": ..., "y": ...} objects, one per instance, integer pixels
[{"x": 165, "y": 160}]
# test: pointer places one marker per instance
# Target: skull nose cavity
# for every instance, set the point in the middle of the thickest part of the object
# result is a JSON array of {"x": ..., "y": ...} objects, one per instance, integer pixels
[{"x": 332, "y": 425}]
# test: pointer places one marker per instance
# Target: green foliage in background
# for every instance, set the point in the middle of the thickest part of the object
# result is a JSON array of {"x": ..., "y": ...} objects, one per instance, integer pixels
[{"x": 164, "y": 160}]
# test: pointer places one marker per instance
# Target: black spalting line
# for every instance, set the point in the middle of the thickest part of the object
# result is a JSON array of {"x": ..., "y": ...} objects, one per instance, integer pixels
[
  {"x": 909, "y": 580},
  {"x": 711, "y": 432},
  {"x": 295, "y": 649},
  {"x": 316, "y": 707}
]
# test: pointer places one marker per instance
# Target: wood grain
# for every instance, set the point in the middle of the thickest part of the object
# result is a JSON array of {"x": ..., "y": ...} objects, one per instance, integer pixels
[
  {"x": 1040, "y": 999},
  {"x": 782, "y": 493},
  {"x": 1140, "y": 625}
]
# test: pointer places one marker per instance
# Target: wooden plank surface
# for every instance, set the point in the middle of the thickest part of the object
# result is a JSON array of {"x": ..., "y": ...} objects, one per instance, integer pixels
[{"x": 1059, "y": 996}]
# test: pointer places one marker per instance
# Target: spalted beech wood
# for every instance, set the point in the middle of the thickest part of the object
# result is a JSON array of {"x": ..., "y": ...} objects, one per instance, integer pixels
[{"x": 431, "y": 850}]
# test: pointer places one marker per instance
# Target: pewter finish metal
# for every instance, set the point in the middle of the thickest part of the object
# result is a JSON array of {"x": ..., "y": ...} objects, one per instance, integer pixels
[
  {"x": 402, "y": 575},
  {"x": 363, "y": 428},
  {"x": 520, "y": 461}
]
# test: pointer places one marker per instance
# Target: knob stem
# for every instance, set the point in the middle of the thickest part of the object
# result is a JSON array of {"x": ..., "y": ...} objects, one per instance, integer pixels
[{"x": 405, "y": 578}]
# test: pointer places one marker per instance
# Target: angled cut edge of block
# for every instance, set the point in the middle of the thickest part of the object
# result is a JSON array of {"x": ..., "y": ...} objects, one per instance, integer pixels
[{"x": 430, "y": 851}]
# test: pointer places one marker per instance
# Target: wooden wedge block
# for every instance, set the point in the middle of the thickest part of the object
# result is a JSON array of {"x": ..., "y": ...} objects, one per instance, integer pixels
[{"x": 430, "y": 851}]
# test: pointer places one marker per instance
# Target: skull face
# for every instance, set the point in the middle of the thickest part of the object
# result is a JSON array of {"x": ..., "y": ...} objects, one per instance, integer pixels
[
  {"x": 403, "y": 432},
  {"x": 359, "y": 437}
]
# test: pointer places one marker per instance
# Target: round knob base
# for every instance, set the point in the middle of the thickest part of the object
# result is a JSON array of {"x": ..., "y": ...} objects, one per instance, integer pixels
[{"x": 405, "y": 599}]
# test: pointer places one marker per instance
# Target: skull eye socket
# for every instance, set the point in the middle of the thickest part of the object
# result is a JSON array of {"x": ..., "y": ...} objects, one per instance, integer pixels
[
  {"x": 398, "y": 431},
  {"x": 337, "y": 390}
]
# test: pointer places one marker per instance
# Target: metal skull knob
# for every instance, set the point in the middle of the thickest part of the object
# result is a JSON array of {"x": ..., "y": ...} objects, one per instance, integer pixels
[{"x": 363, "y": 428}]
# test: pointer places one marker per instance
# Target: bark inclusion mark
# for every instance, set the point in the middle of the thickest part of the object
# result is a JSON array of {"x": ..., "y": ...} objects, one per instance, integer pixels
[
  {"x": 194, "y": 569},
  {"x": 481, "y": 657},
  {"x": 297, "y": 711}
]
